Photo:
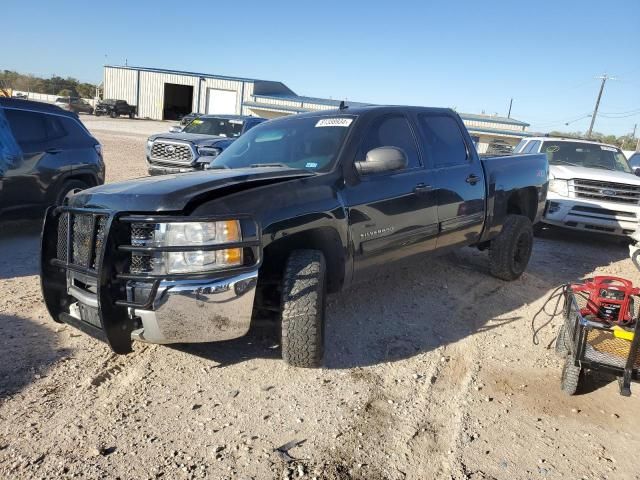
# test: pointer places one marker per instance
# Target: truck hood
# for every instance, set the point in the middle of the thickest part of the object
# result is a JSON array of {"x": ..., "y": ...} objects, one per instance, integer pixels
[
  {"x": 193, "y": 138},
  {"x": 568, "y": 172},
  {"x": 166, "y": 193}
]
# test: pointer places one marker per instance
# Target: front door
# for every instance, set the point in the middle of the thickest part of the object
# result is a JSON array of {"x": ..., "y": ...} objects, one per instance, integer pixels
[{"x": 394, "y": 214}]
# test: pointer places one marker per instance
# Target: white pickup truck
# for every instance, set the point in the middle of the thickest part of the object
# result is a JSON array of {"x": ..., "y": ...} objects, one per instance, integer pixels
[{"x": 591, "y": 185}]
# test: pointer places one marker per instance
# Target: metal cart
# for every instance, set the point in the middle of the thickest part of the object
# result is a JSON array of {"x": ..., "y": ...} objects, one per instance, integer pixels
[{"x": 594, "y": 345}]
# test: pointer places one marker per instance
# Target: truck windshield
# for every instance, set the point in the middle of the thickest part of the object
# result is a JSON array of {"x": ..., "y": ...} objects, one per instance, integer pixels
[
  {"x": 310, "y": 142},
  {"x": 587, "y": 155},
  {"x": 220, "y": 127}
]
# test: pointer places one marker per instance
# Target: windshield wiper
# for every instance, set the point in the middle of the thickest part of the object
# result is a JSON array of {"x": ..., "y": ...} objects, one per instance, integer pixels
[
  {"x": 258, "y": 165},
  {"x": 564, "y": 162},
  {"x": 600, "y": 166}
]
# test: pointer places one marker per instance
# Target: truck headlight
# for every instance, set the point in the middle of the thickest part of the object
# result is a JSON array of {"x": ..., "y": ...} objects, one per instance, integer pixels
[
  {"x": 561, "y": 187},
  {"x": 192, "y": 234},
  {"x": 209, "y": 151},
  {"x": 148, "y": 148}
]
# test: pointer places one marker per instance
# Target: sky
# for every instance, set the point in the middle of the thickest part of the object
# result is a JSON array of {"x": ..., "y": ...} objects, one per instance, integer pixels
[{"x": 473, "y": 56}]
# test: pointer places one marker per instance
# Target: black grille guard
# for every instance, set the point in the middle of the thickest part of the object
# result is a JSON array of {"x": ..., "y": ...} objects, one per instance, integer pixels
[{"x": 111, "y": 270}]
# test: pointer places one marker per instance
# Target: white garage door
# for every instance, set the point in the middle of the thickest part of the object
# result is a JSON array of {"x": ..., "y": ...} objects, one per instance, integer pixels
[{"x": 221, "y": 101}]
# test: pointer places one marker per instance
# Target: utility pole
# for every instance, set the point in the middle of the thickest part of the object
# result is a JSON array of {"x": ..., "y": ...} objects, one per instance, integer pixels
[
  {"x": 510, "y": 105},
  {"x": 604, "y": 79}
]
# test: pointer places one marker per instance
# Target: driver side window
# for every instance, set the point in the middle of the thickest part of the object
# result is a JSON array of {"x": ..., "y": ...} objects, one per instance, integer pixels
[{"x": 391, "y": 131}]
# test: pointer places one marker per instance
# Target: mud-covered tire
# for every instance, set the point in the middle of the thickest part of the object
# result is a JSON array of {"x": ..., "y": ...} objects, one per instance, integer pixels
[
  {"x": 69, "y": 188},
  {"x": 303, "y": 305},
  {"x": 510, "y": 251},
  {"x": 571, "y": 375},
  {"x": 561, "y": 347}
]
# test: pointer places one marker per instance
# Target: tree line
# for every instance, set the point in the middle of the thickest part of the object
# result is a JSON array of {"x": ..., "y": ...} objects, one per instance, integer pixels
[{"x": 55, "y": 85}]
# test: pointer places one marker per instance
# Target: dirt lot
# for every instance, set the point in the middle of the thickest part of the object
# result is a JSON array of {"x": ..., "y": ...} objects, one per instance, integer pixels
[{"x": 430, "y": 373}]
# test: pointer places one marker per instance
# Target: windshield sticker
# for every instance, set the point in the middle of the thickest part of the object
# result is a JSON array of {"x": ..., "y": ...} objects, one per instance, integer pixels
[
  {"x": 608, "y": 149},
  {"x": 334, "y": 122},
  {"x": 552, "y": 148},
  {"x": 270, "y": 136},
  {"x": 311, "y": 165},
  {"x": 197, "y": 121}
]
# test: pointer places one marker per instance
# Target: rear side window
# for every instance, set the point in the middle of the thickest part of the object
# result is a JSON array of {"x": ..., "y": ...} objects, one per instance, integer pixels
[
  {"x": 532, "y": 147},
  {"x": 391, "y": 131},
  {"x": 36, "y": 131},
  {"x": 444, "y": 144},
  {"x": 520, "y": 146}
]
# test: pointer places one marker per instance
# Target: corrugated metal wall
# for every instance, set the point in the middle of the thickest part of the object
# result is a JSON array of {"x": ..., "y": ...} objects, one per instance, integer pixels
[{"x": 121, "y": 84}]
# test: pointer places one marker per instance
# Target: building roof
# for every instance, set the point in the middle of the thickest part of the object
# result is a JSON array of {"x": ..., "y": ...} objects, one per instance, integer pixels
[
  {"x": 492, "y": 119},
  {"x": 182, "y": 72},
  {"x": 315, "y": 100}
]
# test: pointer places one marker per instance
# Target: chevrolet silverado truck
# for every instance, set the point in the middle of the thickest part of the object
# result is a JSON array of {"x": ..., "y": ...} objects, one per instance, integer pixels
[
  {"x": 591, "y": 186},
  {"x": 298, "y": 207},
  {"x": 195, "y": 146}
]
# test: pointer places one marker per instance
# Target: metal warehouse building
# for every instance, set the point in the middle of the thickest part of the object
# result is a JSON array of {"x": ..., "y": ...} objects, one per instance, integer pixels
[{"x": 168, "y": 95}]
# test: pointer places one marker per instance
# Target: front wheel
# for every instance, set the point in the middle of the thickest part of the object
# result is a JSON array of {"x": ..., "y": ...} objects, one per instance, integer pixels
[
  {"x": 303, "y": 304},
  {"x": 510, "y": 251},
  {"x": 571, "y": 375},
  {"x": 68, "y": 189},
  {"x": 113, "y": 114}
]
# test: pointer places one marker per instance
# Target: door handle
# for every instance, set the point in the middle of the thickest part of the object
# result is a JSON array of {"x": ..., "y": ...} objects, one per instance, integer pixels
[
  {"x": 472, "y": 179},
  {"x": 422, "y": 188},
  {"x": 53, "y": 151}
]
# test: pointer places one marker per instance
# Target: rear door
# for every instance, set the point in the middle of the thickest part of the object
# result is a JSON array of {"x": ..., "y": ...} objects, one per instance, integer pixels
[
  {"x": 394, "y": 214},
  {"x": 459, "y": 179}
]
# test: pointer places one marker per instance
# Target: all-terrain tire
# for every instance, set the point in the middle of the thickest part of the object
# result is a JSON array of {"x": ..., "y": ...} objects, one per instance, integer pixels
[
  {"x": 303, "y": 305},
  {"x": 69, "y": 188},
  {"x": 571, "y": 375},
  {"x": 510, "y": 251}
]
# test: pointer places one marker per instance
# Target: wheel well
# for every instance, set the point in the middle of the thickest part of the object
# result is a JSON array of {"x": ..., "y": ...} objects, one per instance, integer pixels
[
  {"x": 523, "y": 202},
  {"x": 86, "y": 178},
  {"x": 325, "y": 239}
]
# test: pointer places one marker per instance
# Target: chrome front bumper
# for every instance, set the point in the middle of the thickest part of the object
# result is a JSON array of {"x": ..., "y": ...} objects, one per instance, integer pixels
[{"x": 193, "y": 311}]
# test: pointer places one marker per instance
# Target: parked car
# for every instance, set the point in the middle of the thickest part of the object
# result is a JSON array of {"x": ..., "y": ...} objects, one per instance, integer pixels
[
  {"x": 634, "y": 162},
  {"x": 301, "y": 206},
  {"x": 115, "y": 108},
  {"x": 195, "y": 146},
  {"x": 591, "y": 185},
  {"x": 45, "y": 154},
  {"x": 21, "y": 96},
  {"x": 187, "y": 119},
  {"x": 74, "y": 104}
]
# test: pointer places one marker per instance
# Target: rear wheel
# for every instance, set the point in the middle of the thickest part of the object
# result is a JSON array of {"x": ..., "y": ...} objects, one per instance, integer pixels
[
  {"x": 68, "y": 189},
  {"x": 303, "y": 304},
  {"x": 571, "y": 375},
  {"x": 510, "y": 251},
  {"x": 131, "y": 114}
]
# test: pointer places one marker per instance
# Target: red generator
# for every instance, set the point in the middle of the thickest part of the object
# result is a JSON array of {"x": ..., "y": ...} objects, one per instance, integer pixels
[{"x": 609, "y": 299}]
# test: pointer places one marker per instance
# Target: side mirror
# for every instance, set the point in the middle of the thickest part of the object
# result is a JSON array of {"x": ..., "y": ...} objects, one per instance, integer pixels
[
  {"x": 383, "y": 159},
  {"x": 637, "y": 171},
  {"x": 175, "y": 129}
]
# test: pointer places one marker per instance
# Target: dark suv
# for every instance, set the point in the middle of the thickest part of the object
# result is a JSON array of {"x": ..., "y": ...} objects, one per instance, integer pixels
[{"x": 45, "y": 154}]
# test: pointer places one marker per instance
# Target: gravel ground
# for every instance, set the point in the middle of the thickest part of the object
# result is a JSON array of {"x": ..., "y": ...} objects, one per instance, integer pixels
[{"x": 436, "y": 377}]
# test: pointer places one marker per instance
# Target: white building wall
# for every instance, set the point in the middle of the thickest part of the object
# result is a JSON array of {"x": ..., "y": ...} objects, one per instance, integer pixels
[
  {"x": 121, "y": 84},
  {"x": 220, "y": 84}
]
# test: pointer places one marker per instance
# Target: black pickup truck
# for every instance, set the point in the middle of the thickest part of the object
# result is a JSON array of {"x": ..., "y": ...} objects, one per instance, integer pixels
[
  {"x": 114, "y": 108},
  {"x": 297, "y": 207},
  {"x": 195, "y": 146}
]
